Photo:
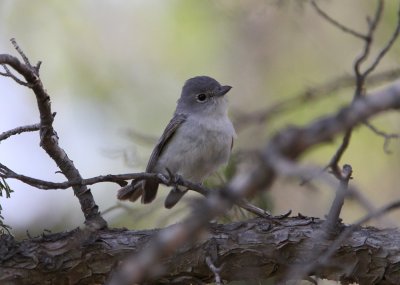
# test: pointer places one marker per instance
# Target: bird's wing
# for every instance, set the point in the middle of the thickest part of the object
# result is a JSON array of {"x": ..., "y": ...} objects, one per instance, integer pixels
[{"x": 168, "y": 133}]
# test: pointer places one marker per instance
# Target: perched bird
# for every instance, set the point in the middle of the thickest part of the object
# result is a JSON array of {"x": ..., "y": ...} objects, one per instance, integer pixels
[{"x": 195, "y": 143}]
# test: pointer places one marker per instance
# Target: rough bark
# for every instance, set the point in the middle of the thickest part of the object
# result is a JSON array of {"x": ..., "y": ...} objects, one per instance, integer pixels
[{"x": 253, "y": 249}]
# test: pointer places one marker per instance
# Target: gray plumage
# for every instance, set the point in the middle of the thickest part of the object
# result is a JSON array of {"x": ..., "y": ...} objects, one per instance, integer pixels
[{"x": 195, "y": 143}]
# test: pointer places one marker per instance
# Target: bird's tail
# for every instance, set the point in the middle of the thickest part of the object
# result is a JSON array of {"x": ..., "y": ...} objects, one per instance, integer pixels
[
  {"x": 147, "y": 189},
  {"x": 150, "y": 188},
  {"x": 131, "y": 192},
  {"x": 174, "y": 196}
]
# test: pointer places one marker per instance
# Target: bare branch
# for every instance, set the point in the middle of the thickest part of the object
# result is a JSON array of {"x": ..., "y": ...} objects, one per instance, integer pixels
[
  {"x": 360, "y": 83},
  {"x": 360, "y": 78},
  {"x": 120, "y": 179},
  {"x": 387, "y": 137},
  {"x": 336, "y": 23},
  {"x": 293, "y": 141},
  {"x": 19, "y": 130},
  {"x": 386, "y": 48},
  {"x": 48, "y": 136},
  {"x": 21, "y": 53},
  {"x": 334, "y": 213},
  {"x": 8, "y": 73},
  {"x": 310, "y": 95},
  {"x": 334, "y": 163}
]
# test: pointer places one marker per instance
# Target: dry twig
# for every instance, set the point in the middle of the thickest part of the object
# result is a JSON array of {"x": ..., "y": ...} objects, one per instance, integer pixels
[
  {"x": 48, "y": 136},
  {"x": 336, "y": 23},
  {"x": 19, "y": 130},
  {"x": 361, "y": 76}
]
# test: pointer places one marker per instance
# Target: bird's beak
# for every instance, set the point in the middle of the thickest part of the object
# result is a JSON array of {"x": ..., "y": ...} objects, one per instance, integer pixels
[{"x": 221, "y": 91}]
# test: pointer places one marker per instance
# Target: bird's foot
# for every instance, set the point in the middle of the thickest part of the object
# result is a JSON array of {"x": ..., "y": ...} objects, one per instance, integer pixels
[{"x": 173, "y": 178}]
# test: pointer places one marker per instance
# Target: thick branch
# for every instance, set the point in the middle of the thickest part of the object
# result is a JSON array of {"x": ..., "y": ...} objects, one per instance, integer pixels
[
  {"x": 293, "y": 142},
  {"x": 253, "y": 249}
]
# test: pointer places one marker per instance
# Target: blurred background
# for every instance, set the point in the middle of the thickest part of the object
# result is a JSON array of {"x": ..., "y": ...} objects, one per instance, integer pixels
[{"x": 114, "y": 70}]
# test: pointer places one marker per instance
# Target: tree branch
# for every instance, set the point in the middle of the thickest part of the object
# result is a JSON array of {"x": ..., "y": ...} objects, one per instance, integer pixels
[
  {"x": 333, "y": 217},
  {"x": 386, "y": 48},
  {"x": 387, "y": 137},
  {"x": 310, "y": 95},
  {"x": 294, "y": 141},
  {"x": 336, "y": 23},
  {"x": 253, "y": 249},
  {"x": 19, "y": 130},
  {"x": 362, "y": 76},
  {"x": 325, "y": 256},
  {"x": 49, "y": 140}
]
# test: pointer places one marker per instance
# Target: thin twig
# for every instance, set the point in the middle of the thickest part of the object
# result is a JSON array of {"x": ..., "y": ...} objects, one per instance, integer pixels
[
  {"x": 19, "y": 130},
  {"x": 360, "y": 78},
  {"x": 387, "y": 137},
  {"x": 334, "y": 162},
  {"x": 386, "y": 48},
  {"x": 336, "y": 23},
  {"x": 21, "y": 53},
  {"x": 360, "y": 84},
  {"x": 8, "y": 73},
  {"x": 120, "y": 179}
]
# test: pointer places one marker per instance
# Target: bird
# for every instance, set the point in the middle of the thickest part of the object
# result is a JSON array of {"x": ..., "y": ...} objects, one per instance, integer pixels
[{"x": 196, "y": 142}]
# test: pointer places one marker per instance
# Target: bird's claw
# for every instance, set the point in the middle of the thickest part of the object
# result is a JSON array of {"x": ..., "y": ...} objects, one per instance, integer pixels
[{"x": 173, "y": 179}]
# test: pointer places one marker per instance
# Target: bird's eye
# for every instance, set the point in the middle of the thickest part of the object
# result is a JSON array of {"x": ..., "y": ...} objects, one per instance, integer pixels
[{"x": 201, "y": 97}]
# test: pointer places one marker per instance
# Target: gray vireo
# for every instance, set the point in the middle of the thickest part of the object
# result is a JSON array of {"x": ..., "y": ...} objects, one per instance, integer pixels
[{"x": 195, "y": 143}]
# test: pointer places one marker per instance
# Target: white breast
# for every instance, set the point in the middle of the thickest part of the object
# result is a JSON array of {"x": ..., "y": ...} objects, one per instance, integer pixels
[{"x": 198, "y": 148}]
